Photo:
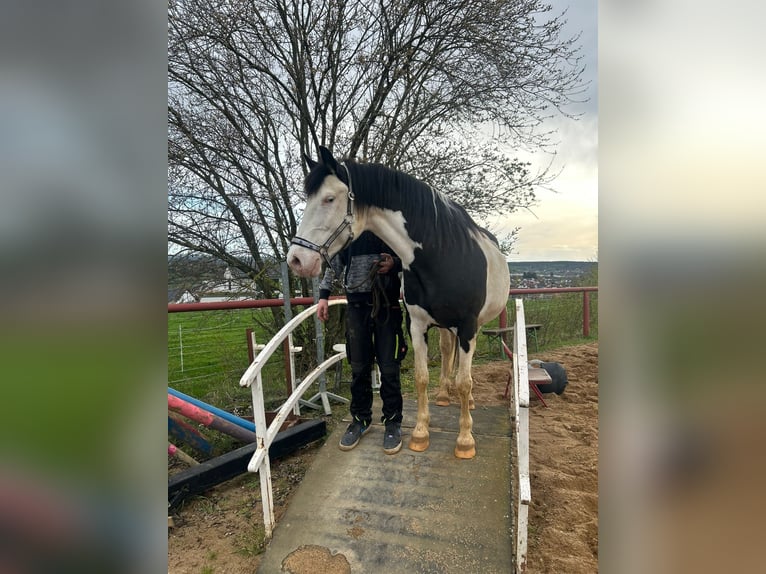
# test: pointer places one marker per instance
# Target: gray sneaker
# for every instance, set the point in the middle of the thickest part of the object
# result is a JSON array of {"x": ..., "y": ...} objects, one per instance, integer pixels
[
  {"x": 392, "y": 439},
  {"x": 353, "y": 433}
]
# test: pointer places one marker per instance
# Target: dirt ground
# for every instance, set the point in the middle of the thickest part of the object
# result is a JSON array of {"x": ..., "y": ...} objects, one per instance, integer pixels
[
  {"x": 563, "y": 462},
  {"x": 222, "y": 531}
]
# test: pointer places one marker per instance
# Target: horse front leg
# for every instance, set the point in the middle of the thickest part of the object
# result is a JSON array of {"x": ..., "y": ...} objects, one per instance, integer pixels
[
  {"x": 419, "y": 440},
  {"x": 466, "y": 446}
]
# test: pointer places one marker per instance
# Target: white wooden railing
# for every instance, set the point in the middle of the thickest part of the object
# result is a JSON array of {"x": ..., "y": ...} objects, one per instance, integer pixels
[
  {"x": 265, "y": 435},
  {"x": 520, "y": 401}
]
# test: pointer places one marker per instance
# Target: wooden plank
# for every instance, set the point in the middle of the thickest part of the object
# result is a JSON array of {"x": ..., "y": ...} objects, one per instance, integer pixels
[
  {"x": 522, "y": 355},
  {"x": 525, "y": 490},
  {"x": 500, "y": 330},
  {"x": 522, "y": 383},
  {"x": 522, "y": 522},
  {"x": 523, "y": 461},
  {"x": 225, "y": 467},
  {"x": 539, "y": 376}
]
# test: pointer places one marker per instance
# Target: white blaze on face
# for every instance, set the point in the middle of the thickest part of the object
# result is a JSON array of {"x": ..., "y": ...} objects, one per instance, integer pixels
[{"x": 323, "y": 214}]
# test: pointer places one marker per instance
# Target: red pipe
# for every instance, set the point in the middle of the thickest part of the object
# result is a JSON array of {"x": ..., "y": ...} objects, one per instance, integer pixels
[
  {"x": 210, "y": 420},
  {"x": 544, "y": 290},
  {"x": 249, "y": 304}
]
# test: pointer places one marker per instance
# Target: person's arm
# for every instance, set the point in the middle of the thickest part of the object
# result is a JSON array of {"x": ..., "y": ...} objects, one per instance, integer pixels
[{"x": 325, "y": 288}]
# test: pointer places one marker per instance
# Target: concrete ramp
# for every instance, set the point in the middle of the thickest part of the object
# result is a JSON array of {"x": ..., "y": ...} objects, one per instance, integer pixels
[{"x": 363, "y": 511}]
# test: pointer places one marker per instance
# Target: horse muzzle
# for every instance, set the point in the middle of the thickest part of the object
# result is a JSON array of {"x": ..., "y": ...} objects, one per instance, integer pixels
[{"x": 303, "y": 261}]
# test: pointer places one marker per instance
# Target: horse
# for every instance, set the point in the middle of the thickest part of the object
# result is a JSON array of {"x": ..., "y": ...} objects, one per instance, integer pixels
[{"x": 454, "y": 275}]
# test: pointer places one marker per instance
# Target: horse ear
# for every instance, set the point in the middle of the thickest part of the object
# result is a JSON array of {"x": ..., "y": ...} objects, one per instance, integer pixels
[
  {"x": 327, "y": 159},
  {"x": 310, "y": 162}
]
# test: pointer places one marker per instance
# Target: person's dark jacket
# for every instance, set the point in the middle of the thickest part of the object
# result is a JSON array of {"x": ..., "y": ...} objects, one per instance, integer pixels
[{"x": 356, "y": 263}]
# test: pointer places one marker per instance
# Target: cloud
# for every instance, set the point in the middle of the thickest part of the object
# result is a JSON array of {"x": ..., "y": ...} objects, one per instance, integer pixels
[{"x": 564, "y": 223}]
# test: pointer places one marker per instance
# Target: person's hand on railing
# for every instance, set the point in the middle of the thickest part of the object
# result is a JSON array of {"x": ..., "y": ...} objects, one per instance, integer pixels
[{"x": 323, "y": 310}]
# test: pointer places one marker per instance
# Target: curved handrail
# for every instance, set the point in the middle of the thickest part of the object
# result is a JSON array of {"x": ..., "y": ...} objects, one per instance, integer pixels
[
  {"x": 255, "y": 367},
  {"x": 271, "y": 433},
  {"x": 265, "y": 434}
]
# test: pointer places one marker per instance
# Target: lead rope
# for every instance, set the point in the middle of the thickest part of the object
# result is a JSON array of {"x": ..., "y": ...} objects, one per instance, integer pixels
[
  {"x": 376, "y": 289},
  {"x": 378, "y": 293}
]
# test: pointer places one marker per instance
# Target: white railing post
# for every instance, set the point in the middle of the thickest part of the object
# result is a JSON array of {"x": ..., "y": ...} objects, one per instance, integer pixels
[
  {"x": 265, "y": 435},
  {"x": 292, "y": 350},
  {"x": 259, "y": 418},
  {"x": 521, "y": 412}
]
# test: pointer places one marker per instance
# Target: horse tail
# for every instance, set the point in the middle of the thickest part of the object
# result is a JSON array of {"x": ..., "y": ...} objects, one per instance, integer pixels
[{"x": 455, "y": 355}]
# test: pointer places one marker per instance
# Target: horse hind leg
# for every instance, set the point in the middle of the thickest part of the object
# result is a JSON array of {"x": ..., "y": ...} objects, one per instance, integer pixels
[
  {"x": 448, "y": 348},
  {"x": 466, "y": 445}
]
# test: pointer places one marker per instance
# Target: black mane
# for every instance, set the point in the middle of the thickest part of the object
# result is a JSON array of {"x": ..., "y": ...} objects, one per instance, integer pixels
[{"x": 429, "y": 214}]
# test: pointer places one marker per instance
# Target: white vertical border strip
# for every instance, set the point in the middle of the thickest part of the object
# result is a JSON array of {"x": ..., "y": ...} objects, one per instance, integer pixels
[{"x": 521, "y": 412}]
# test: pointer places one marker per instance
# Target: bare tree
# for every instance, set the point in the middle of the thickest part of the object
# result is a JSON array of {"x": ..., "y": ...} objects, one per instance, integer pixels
[{"x": 443, "y": 90}]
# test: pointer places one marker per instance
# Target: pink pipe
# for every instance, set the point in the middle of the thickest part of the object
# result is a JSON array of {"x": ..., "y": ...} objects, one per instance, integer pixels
[
  {"x": 208, "y": 419},
  {"x": 189, "y": 410}
]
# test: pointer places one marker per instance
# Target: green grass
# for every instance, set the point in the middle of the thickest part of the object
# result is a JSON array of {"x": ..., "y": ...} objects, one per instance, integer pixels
[
  {"x": 253, "y": 543},
  {"x": 207, "y": 355}
]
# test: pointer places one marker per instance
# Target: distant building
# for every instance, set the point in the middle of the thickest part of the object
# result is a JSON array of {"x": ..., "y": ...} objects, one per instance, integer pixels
[{"x": 182, "y": 296}]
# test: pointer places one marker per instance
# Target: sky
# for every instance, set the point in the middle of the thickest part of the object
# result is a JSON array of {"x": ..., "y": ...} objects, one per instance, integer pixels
[{"x": 564, "y": 223}]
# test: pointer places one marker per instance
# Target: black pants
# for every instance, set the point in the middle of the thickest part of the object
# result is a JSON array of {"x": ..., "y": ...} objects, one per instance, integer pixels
[{"x": 369, "y": 340}]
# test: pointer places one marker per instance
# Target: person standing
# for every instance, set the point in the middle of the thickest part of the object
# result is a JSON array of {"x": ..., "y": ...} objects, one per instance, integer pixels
[{"x": 370, "y": 273}]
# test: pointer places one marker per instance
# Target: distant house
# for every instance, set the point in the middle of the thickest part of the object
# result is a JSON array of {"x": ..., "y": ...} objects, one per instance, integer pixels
[{"x": 182, "y": 296}]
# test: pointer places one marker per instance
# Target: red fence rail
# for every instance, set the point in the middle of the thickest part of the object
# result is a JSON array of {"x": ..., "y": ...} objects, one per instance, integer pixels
[
  {"x": 264, "y": 303},
  {"x": 586, "y": 291},
  {"x": 221, "y": 357}
]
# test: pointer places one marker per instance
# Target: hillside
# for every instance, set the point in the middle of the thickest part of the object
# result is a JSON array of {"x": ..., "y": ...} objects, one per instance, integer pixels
[{"x": 531, "y": 274}]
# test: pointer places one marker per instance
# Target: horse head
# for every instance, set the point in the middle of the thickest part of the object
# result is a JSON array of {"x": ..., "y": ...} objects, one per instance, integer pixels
[{"x": 326, "y": 227}]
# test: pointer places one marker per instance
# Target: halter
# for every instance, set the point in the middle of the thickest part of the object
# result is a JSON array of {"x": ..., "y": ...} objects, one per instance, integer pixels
[{"x": 348, "y": 220}]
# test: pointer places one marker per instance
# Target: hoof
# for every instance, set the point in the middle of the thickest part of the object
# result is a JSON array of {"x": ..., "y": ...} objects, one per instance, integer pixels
[
  {"x": 418, "y": 444},
  {"x": 442, "y": 402},
  {"x": 465, "y": 453}
]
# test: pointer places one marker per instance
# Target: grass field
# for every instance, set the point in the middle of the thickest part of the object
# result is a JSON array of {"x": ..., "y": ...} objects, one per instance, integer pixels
[{"x": 207, "y": 354}]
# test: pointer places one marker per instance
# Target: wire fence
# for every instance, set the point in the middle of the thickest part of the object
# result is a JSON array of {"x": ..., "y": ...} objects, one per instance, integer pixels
[
  {"x": 208, "y": 350},
  {"x": 561, "y": 316}
]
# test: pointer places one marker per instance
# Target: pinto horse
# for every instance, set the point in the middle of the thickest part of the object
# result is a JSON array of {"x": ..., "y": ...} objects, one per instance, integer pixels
[{"x": 454, "y": 276}]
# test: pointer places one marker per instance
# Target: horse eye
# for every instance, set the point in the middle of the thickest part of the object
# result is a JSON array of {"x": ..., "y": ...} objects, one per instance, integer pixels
[{"x": 329, "y": 199}]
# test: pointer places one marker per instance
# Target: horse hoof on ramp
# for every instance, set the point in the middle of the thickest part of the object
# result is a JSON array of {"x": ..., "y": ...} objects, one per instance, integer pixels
[
  {"x": 465, "y": 452},
  {"x": 419, "y": 444},
  {"x": 442, "y": 402}
]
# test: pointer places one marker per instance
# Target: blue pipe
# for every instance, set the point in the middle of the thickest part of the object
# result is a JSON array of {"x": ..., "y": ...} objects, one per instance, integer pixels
[{"x": 215, "y": 410}]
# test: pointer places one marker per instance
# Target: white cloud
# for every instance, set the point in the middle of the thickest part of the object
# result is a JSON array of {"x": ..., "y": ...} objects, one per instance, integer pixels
[{"x": 564, "y": 224}]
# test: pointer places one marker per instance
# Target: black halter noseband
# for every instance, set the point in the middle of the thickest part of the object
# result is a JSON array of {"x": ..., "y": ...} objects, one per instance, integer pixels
[{"x": 348, "y": 220}]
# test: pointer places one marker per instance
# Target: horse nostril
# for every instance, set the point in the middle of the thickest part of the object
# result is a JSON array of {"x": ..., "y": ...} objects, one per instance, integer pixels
[{"x": 294, "y": 262}]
